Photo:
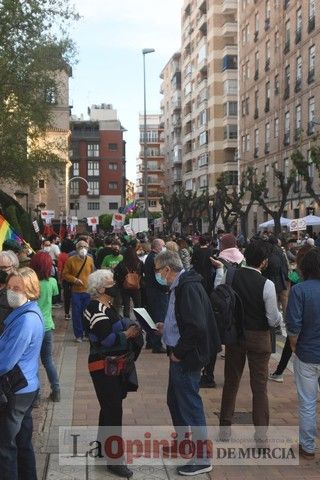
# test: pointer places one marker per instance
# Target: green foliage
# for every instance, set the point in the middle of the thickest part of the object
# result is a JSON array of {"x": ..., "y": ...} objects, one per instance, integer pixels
[
  {"x": 105, "y": 221},
  {"x": 302, "y": 165},
  {"x": 34, "y": 46}
]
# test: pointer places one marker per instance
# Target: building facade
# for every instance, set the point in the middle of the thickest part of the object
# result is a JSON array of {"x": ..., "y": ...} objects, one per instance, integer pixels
[
  {"x": 155, "y": 163},
  {"x": 98, "y": 156},
  {"x": 278, "y": 94},
  {"x": 209, "y": 75}
]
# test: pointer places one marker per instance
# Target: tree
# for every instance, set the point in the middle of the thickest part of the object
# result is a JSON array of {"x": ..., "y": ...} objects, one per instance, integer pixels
[
  {"x": 284, "y": 184},
  {"x": 34, "y": 46},
  {"x": 303, "y": 164},
  {"x": 105, "y": 221}
]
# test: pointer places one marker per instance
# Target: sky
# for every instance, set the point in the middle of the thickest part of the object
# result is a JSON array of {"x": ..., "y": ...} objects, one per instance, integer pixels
[{"x": 110, "y": 37}]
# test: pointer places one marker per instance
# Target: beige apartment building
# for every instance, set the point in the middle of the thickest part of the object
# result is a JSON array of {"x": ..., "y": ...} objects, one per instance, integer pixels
[
  {"x": 170, "y": 121},
  {"x": 279, "y": 93},
  {"x": 155, "y": 163},
  {"x": 209, "y": 93}
]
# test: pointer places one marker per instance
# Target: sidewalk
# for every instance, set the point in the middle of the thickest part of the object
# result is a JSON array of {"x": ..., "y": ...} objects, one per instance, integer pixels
[{"x": 79, "y": 406}]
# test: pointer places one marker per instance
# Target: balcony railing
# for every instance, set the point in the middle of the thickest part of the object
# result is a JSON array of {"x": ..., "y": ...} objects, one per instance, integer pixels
[
  {"x": 286, "y": 47},
  {"x": 256, "y": 152},
  {"x": 267, "y": 148},
  {"x": 267, "y": 65},
  {"x": 311, "y": 23},
  {"x": 297, "y": 134},
  {"x": 298, "y": 35},
  {"x": 267, "y": 105},
  {"x": 267, "y": 23},
  {"x": 256, "y": 74},
  {"x": 297, "y": 87},
  {"x": 286, "y": 139},
  {"x": 311, "y": 75},
  {"x": 310, "y": 130},
  {"x": 286, "y": 92},
  {"x": 256, "y": 113}
]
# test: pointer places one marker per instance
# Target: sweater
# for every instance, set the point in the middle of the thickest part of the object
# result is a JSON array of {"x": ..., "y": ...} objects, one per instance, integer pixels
[
  {"x": 21, "y": 343},
  {"x": 72, "y": 267}
]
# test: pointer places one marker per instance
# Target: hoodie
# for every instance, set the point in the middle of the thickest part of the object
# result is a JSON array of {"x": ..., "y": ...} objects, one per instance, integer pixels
[
  {"x": 199, "y": 336},
  {"x": 230, "y": 255}
]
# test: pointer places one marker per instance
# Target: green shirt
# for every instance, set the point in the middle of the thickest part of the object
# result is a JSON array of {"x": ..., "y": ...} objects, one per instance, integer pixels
[
  {"x": 110, "y": 261},
  {"x": 48, "y": 289}
]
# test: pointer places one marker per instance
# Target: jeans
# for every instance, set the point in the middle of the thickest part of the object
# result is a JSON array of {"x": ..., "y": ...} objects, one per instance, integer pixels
[
  {"x": 185, "y": 403},
  {"x": 66, "y": 296},
  {"x": 306, "y": 376},
  {"x": 47, "y": 360},
  {"x": 17, "y": 459},
  {"x": 79, "y": 303}
]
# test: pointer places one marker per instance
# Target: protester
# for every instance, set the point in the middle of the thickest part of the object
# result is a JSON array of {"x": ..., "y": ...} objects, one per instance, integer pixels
[
  {"x": 259, "y": 301},
  {"x": 8, "y": 262},
  {"x": 201, "y": 263},
  {"x": 129, "y": 265},
  {"x": 191, "y": 335},
  {"x": 41, "y": 263},
  {"x": 104, "y": 251},
  {"x": 277, "y": 271},
  {"x": 184, "y": 254},
  {"x": 66, "y": 248},
  {"x": 156, "y": 294},
  {"x": 172, "y": 246},
  {"x": 112, "y": 260},
  {"x": 108, "y": 337},
  {"x": 303, "y": 328},
  {"x": 76, "y": 271},
  {"x": 229, "y": 255},
  {"x": 20, "y": 346}
]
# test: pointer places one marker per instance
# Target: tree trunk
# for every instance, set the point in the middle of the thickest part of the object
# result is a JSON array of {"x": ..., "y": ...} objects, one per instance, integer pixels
[
  {"x": 277, "y": 225},
  {"x": 244, "y": 225}
]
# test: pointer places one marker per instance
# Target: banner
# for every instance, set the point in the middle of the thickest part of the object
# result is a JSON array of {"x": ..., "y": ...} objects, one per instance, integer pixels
[
  {"x": 128, "y": 230},
  {"x": 118, "y": 220},
  {"x": 47, "y": 215},
  {"x": 7, "y": 232},
  {"x": 139, "y": 224},
  {"x": 298, "y": 224},
  {"x": 93, "y": 221}
]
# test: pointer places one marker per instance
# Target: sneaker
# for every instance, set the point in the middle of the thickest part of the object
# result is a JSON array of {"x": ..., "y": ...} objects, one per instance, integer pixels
[
  {"x": 304, "y": 454},
  {"x": 79, "y": 340},
  {"x": 275, "y": 377},
  {"x": 67, "y": 317},
  {"x": 120, "y": 470},
  {"x": 172, "y": 452},
  {"x": 207, "y": 382},
  {"x": 193, "y": 469},
  {"x": 55, "y": 396}
]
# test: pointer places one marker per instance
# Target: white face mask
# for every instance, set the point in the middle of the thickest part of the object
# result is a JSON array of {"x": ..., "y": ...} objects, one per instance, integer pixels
[
  {"x": 46, "y": 249},
  {"x": 16, "y": 299},
  {"x": 163, "y": 249},
  {"x": 82, "y": 252}
]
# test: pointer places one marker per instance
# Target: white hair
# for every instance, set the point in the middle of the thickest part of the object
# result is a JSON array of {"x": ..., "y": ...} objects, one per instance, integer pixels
[
  {"x": 97, "y": 281},
  {"x": 11, "y": 256}
]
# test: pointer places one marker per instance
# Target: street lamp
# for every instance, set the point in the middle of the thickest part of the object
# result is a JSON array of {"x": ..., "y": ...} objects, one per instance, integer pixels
[
  {"x": 145, "y": 51},
  {"x": 69, "y": 181},
  {"x": 20, "y": 194}
]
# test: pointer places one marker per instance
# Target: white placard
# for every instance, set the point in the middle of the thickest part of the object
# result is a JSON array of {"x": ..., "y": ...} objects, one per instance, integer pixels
[
  {"x": 47, "y": 214},
  {"x": 93, "y": 221},
  {"x": 298, "y": 224},
  {"x": 139, "y": 224}
]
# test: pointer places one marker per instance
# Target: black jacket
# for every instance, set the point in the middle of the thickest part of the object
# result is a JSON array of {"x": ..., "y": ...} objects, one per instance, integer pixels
[{"x": 199, "y": 336}]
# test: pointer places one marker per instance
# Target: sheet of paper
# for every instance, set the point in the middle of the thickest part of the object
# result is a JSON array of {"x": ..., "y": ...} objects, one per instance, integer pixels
[{"x": 142, "y": 312}]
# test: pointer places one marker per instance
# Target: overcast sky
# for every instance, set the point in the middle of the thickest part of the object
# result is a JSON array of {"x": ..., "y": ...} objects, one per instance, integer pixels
[{"x": 110, "y": 37}]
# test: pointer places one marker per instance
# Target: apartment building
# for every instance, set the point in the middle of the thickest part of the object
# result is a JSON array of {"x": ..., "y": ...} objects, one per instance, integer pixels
[
  {"x": 209, "y": 77},
  {"x": 130, "y": 194},
  {"x": 98, "y": 157},
  {"x": 279, "y": 93},
  {"x": 155, "y": 163},
  {"x": 171, "y": 123}
]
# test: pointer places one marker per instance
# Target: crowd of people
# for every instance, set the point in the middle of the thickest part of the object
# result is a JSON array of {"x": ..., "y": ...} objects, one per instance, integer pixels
[{"x": 178, "y": 280}]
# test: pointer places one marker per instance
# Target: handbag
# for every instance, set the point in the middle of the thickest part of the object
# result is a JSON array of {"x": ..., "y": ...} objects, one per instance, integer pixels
[
  {"x": 131, "y": 281},
  {"x": 69, "y": 285}
]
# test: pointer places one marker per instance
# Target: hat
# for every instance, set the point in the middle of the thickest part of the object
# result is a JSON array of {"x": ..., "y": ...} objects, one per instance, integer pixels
[{"x": 228, "y": 240}]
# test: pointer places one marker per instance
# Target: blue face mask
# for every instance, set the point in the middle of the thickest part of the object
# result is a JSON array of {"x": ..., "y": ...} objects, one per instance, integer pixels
[{"x": 160, "y": 280}]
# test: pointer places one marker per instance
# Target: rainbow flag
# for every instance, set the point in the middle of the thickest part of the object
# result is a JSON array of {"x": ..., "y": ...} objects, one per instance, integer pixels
[{"x": 7, "y": 232}]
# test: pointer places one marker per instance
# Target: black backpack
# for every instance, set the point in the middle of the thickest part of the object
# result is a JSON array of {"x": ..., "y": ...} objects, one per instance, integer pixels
[{"x": 228, "y": 310}]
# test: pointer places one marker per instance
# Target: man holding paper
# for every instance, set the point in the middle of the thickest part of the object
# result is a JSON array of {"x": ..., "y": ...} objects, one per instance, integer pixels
[{"x": 191, "y": 336}]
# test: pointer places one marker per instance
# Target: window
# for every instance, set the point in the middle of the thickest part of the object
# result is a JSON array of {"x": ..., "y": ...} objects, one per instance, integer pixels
[
  {"x": 298, "y": 117},
  {"x": 256, "y": 103},
  {"x": 298, "y": 24},
  {"x": 298, "y": 69},
  {"x": 248, "y": 142},
  {"x": 202, "y": 53},
  {"x": 113, "y": 166},
  {"x": 93, "y": 205},
  {"x": 276, "y": 85},
  {"x": 112, "y": 146},
  {"x": 276, "y": 41},
  {"x": 203, "y": 117},
  {"x": 230, "y": 62},
  {"x": 203, "y": 181},
  {"x": 256, "y": 25},
  {"x": 113, "y": 185},
  {"x": 231, "y": 108},
  {"x": 287, "y": 75},
  {"x": 93, "y": 188},
  {"x": 287, "y": 37},
  {"x": 243, "y": 143},
  {"x": 41, "y": 183},
  {"x": 75, "y": 169},
  {"x": 312, "y": 58},
  {"x": 310, "y": 164},
  {"x": 256, "y": 61},
  {"x": 74, "y": 188},
  {"x": 231, "y": 87},
  {"x": 287, "y": 122},
  {"x": 93, "y": 168},
  {"x": 312, "y": 9},
  {"x": 276, "y": 127},
  {"x": 188, "y": 88},
  {"x": 268, "y": 51},
  {"x": 231, "y": 132},
  {"x": 286, "y": 168},
  {"x": 231, "y": 177},
  {"x": 311, "y": 116},
  {"x": 267, "y": 133},
  {"x": 256, "y": 142},
  {"x": 152, "y": 203},
  {"x": 203, "y": 160},
  {"x": 113, "y": 205},
  {"x": 93, "y": 150},
  {"x": 51, "y": 96},
  {"x": 188, "y": 184},
  {"x": 203, "y": 138}
]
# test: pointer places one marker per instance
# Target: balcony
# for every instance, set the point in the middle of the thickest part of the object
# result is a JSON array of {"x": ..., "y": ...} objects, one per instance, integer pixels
[
  {"x": 230, "y": 28},
  {"x": 267, "y": 105},
  {"x": 256, "y": 35},
  {"x": 311, "y": 129},
  {"x": 230, "y": 6},
  {"x": 267, "y": 24},
  {"x": 286, "y": 4},
  {"x": 311, "y": 75},
  {"x": 267, "y": 65},
  {"x": 176, "y": 104},
  {"x": 286, "y": 94},
  {"x": 267, "y": 148},
  {"x": 256, "y": 74},
  {"x": 276, "y": 90},
  {"x": 286, "y": 139},
  {"x": 297, "y": 134},
  {"x": 311, "y": 23},
  {"x": 298, "y": 35},
  {"x": 286, "y": 47},
  {"x": 256, "y": 152},
  {"x": 297, "y": 87},
  {"x": 256, "y": 113}
]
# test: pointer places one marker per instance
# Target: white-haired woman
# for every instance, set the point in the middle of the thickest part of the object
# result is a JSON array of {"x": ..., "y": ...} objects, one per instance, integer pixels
[{"x": 110, "y": 343}]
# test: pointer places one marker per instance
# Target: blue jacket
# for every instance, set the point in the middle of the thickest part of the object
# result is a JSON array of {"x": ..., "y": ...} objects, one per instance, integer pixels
[
  {"x": 303, "y": 319},
  {"x": 21, "y": 341}
]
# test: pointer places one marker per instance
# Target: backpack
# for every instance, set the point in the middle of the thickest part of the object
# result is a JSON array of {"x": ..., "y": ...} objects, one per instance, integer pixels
[
  {"x": 228, "y": 310},
  {"x": 131, "y": 281}
]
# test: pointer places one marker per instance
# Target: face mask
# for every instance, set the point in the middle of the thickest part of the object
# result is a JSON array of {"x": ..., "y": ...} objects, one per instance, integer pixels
[
  {"x": 115, "y": 253},
  {"x": 160, "y": 280},
  {"x": 83, "y": 252},
  {"x": 111, "y": 291},
  {"x": 15, "y": 299},
  {"x": 163, "y": 249},
  {"x": 46, "y": 249}
]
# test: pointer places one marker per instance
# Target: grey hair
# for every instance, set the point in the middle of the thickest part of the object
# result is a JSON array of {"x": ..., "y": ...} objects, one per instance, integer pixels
[
  {"x": 97, "y": 281},
  {"x": 11, "y": 256},
  {"x": 169, "y": 259}
]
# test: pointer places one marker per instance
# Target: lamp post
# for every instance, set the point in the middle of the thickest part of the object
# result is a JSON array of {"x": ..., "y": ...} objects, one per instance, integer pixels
[
  {"x": 69, "y": 181},
  {"x": 20, "y": 194},
  {"x": 145, "y": 51}
]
